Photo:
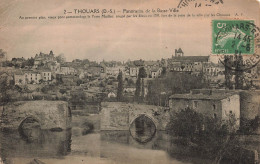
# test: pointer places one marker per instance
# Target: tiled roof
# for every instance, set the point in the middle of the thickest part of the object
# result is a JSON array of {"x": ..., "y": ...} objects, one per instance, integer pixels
[
  {"x": 191, "y": 58},
  {"x": 214, "y": 96}
]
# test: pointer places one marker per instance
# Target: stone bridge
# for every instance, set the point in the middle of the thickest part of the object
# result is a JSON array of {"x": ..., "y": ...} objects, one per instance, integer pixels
[
  {"x": 119, "y": 116},
  {"x": 49, "y": 114}
]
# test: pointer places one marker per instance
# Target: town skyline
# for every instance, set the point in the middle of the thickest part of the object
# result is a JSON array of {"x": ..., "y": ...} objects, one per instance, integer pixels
[{"x": 9, "y": 57}]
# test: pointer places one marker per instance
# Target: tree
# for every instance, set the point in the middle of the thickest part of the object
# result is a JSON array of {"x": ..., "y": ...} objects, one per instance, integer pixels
[
  {"x": 61, "y": 58},
  {"x": 79, "y": 81},
  {"x": 137, "y": 89},
  {"x": 130, "y": 82},
  {"x": 139, "y": 94},
  {"x": 163, "y": 71},
  {"x": 4, "y": 87},
  {"x": 174, "y": 82},
  {"x": 208, "y": 136},
  {"x": 239, "y": 75},
  {"x": 78, "y": 98},
  {"x": 228, "y": 71},
  {"x": 120, "y": 87},
  {"x": 2, "y": 53}
]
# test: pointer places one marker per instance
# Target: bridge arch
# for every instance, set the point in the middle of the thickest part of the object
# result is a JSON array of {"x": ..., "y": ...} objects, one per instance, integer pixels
[
  {"x": 142, "y": 128},
  {"x": 143, "y": 114},
  {"x": 30, "y": 128},
  {"x": 29, "y": 117}
]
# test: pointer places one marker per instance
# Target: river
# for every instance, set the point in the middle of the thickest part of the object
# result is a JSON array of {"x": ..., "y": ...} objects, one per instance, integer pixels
[{"x": 98, "y": 147}]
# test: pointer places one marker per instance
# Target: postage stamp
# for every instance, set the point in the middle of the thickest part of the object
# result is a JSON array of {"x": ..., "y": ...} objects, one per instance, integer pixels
[
  {"x": 231, "y": 36},
  {"x": 236, "y": 40}
]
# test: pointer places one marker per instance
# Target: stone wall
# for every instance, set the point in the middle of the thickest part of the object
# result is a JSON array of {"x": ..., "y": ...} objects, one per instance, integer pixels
[
  {"x": 250, "y": 104},
  {"x": 50, "y": 114},
  {"x": 119, "y": 116}
]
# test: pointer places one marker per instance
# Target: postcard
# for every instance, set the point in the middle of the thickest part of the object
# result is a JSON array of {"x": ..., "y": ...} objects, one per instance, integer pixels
[{"x": 129, "y": 82}]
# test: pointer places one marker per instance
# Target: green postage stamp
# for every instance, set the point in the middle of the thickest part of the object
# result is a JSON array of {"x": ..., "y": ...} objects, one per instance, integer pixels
[{"x": 232, "y": 36}]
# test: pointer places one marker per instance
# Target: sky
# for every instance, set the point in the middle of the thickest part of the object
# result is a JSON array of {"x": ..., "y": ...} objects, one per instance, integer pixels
[{"x": 111, "y": 39}]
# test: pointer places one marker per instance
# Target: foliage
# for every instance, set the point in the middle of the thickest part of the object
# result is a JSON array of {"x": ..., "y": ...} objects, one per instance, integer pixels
[
  {"x": 139, "y": 92},
  {"x": 2, "y": 53},
  {"x": 227, "y": 72},
  {"x": 209, "y": 137},
  {"x": 120, "y": 88},
  {"x": 163, "y": 71},
  {"x": 238, "y": 71},
  {"x": 142, "y": 73},
  {"x": 61, "y": 58},
  {"x": 78, "y": 98},
  {"x": 59, "y": 79},
  {"x": 185, "y": 123},
  {"x": 130, "y": 82},
  {"x": 4, "y": 87},
  {"x": 79, "y": 81},
  {"x": 237, "y": 65},
  {"x": 47, "y": 88},
  {"x": 174, "y": 82},
  {"x": 249, "y": 126}
]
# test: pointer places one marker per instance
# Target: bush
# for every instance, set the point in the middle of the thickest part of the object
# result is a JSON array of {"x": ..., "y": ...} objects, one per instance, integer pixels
[{"x": 208, "y": 137}]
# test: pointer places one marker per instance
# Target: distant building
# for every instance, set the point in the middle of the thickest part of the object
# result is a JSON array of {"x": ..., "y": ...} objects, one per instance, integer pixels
[
  {"x": 111, "y": 95},
  {"x": 32, "y": 77},
  {"x": 114, "y": 71},
  {"x": 64, "y": 70},
  {"x": 182, "y": 63},
  {"x": 133, "y": 71},
  {"x": 156, "y": 72},
  {"x": 95, "y": 70},
  {"x": 19, "y": 78},
  {"x": 42, "y": 58},
  {"x": 46, "y": 75},
  {"x": 179, "y": 52},
  {"x": 216, "y": 105}
]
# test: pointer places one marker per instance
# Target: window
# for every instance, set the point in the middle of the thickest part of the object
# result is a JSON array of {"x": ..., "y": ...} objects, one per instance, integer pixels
[
  {"x": 214, "y": 106},
  {"x": 215, "y": 115},
  {"x": 195, "y": 104}
]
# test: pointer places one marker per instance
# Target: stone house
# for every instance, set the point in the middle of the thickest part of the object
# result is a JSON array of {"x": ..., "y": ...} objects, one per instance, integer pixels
[
  {"x": 19, "y": 78},
  {"x": 134, "y": 71},
  {"x": 114, "y": 71},
  {"x": 32, "y": 77},
  {"x": 46, "y": 75},
  {"x": 156, "y": 72},
  {"x": 216, "y": 105}
]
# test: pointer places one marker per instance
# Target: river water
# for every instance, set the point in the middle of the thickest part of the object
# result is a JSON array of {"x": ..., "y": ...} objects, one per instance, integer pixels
[{"x": 98, "y": 147}]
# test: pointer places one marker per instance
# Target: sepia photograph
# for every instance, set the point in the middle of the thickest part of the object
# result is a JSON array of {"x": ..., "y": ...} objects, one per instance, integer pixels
[{"x": 130, "y": 82}]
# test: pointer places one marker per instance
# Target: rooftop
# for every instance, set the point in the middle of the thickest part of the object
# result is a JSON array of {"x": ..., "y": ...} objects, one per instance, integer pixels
[
  {"x": 200, "y": 96},
  {"x": 190, "y": 58}
]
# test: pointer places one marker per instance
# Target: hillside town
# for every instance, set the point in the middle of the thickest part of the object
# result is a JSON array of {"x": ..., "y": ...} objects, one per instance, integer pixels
[
  {"x": 132, "y": 95},
  {"x": 50, "y": 74}
]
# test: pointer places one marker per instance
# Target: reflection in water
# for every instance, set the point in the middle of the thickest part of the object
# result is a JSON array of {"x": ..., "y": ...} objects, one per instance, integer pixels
[
  {"x": 142, "y": 129},
  {"x": 34, "y": 142},
  {"x": 108, "y": 146},
  {"x": 30, "y": 130}
]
